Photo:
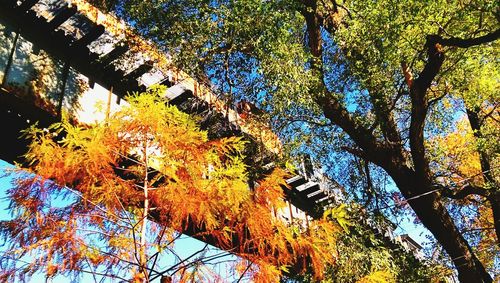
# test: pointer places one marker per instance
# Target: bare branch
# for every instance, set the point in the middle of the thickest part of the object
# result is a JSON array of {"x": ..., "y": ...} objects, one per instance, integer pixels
[
  {"x": 244, "y": 271},
  {"x": 465, "y": 191},
  {"x": 162, "y": 273},
  {"x": 407, "y": 73}
]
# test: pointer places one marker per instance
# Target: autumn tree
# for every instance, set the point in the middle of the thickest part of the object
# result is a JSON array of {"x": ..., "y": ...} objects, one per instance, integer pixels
[
  {"x": 365, "y": 253},
  {"x": 368, "y": 81},
  {"x": 112, "y": 198}
]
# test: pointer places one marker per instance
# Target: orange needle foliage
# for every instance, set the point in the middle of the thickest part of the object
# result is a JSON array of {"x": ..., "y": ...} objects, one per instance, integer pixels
[
  {"x": 457, "y": 154},
  {"x": 149, "y": 161}
]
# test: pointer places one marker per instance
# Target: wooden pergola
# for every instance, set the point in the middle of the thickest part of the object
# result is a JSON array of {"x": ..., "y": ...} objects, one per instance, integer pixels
[{"x": 70, "y": 36}]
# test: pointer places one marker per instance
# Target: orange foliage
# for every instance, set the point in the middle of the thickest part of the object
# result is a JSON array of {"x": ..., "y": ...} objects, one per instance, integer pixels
[
  {"x": 456, "y": 153},
  {"x": 488, "y": 248},
  {"x": 150, "y": 161},
  {"x": 118, "y": 29}
]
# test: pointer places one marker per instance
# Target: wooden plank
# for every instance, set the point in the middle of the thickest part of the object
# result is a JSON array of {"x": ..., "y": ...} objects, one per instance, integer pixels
[
  {"x": 61, "y": 17},
  {"x": 139, "y": 71},
  {"x": 308, "y": 188},
  {"x": 166, "y": 82},
  {"x": 92, "y": 35},
  {"x": 316, "y": 196},
  {"x": 114, "y": 54},
  {"x": 27, "y": 4},
  {"x": 296, "y": 181}
]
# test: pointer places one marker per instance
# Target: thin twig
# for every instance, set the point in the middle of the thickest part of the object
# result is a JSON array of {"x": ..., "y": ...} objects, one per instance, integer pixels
[{"x": 245, "y": 271}]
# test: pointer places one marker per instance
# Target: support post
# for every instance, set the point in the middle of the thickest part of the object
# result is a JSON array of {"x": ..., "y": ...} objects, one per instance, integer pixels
[
  {"x": 11, "y": 58},
  {"x": 65, "y": 74},
  {"x": 118, "y": 98},
  {"x": 108, "y": 106}
]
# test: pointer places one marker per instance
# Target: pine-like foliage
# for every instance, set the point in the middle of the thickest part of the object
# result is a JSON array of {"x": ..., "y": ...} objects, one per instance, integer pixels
[{"x": 109, "y": 198}]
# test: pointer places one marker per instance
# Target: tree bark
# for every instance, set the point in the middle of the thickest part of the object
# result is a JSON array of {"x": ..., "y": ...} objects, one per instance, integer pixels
[
  {"x": 390, "y": 156},
  {"x": 494, "y": 194},
  {"x": 495, "y": 208},
  {"x": 428, "y": 208},
  {"x": 435, "y": 217}
]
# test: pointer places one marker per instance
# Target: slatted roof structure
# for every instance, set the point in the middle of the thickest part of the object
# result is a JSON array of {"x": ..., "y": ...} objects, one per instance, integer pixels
[
  {"x": 108, "y": 53},
  {"x": 102, "y": 48},
  {"x": 70, "y": 36}
]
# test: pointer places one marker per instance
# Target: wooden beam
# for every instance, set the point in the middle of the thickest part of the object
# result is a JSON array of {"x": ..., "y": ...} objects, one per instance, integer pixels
[
  {"x": 93, "y": 34},
  {"x": 316, "y": 196},
  {"x": 27, "y": 4},
  {"x": 114, "y": 76},
  {"x": 308, "y": 188},
  {"x": 296, "y": 181},
  {"x": 177, "y": 94},
  {"x": 166, "y": 82},
  {"x": 61, "y": 17},
  {"x": 114, "y": 54},
  {"x": 139, "y": 71}
]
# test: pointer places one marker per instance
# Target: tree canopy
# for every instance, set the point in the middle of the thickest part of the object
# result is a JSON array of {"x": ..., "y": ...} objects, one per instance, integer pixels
[{"x": 387, "y": 85}]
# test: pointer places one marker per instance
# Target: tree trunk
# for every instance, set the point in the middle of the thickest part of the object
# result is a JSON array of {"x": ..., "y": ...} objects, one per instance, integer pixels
[
  {"x": 390, "y": 156},
  {"x": 429, "y": 208},
  {"x": 434, "y": 216},
  {"x": 143, "y": 257},
  {"x": 495, "y": 207},
  {"x": 494, "y": 199}
]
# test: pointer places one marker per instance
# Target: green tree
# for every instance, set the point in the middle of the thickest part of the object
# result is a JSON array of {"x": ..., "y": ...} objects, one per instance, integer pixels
[
  {"x": 374, "y": 79},
  {"x": 365, "y": 253}
]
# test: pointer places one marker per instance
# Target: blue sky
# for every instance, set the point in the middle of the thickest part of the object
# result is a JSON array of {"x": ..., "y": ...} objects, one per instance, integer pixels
[
  {"x": 184, "y": 247},
  {"x": 4, "y": 185}
]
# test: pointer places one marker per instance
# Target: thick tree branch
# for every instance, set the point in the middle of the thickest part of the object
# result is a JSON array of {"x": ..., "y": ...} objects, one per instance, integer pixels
[
  {"x": 484, "y": 160},
  {"x": 419, "y": 106},
  {"x": 490, "y": 114},
  {"x": 385, "y": 119},
  {"x": 338, "y": 114},
  {"x": 370, "y": 189},
  {"x": 331, "y": 19},
  {"x": 465, "y": 191},
  {"x": 407, "y": 73},
  {"x": 313, "y": 26},
  {"x": 332, "y": 107},
  {"x": 468, "y": 42},
  {"x": 494, "y": 201},
  {"x": 475, "y": 123}
]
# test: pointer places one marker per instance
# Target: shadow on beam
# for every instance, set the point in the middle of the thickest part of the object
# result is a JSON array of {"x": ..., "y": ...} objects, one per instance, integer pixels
[{"x": 17, "y": 115}]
